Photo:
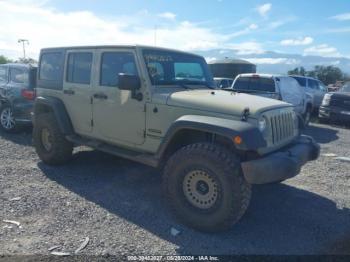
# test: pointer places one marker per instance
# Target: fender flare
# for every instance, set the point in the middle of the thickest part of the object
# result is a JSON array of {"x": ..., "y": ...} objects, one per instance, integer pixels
[
  {"x": 252, "y": 138},
  {"x": 58, "y": 108}
]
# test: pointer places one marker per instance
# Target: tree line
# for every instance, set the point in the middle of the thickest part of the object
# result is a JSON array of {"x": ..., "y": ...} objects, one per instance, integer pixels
[
  {"x": 326, "y": 74},
  {"x": 5, "y": 60}
]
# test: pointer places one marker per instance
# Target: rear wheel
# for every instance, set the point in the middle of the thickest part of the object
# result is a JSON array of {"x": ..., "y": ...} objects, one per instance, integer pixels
[
  {"x": 50, "y": 144},
  {"x": 7, "y": 120},
  {"x": 205, "y": 187}
]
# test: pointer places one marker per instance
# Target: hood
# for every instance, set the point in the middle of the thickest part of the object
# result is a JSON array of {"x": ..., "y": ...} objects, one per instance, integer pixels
[{"x": 224, "y": 102}]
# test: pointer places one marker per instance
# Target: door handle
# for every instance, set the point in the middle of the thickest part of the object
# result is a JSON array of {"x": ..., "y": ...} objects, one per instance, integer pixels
[
  {"x": 68, "y": 92},
  {"x": 100, "y": 96}
]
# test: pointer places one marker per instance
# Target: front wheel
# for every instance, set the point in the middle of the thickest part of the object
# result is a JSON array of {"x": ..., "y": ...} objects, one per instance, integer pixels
[{"x": 205, "y": 187}]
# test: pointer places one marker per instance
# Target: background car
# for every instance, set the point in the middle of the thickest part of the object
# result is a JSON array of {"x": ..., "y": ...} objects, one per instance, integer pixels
[
  {"x": 221, "y": 82},
  {"x": 17, "y": 94},
  {"x": 314, "y": 87},
  {"x": 336, "y": 105},
  {"x": 276, "y": 87}
]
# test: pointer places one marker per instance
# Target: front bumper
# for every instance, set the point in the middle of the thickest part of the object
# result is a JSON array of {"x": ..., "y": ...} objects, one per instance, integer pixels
[
  {"x": 334, "y": 113},
  {"x": 283, "y": 164}
]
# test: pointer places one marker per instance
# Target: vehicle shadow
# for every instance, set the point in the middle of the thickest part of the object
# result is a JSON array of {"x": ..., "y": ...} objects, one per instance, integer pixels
[
  {"x": 23, "y": 137},
  {"x": 321, "y": 133},
  {"x": 281, "y": 219}
]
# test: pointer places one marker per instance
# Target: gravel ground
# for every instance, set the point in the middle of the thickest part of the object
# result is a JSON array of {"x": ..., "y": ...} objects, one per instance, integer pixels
[{"x": 118, "y": 204}]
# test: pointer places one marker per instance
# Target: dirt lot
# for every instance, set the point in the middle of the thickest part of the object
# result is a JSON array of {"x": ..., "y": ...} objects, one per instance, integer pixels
[{"x": 119, "y": 206}]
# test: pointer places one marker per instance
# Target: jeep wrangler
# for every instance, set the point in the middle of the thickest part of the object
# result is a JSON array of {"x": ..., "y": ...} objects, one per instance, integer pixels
[{"x": 159, "y": 107}]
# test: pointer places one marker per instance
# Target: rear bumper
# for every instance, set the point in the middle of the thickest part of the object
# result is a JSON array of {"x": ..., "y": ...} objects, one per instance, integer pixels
[
  {"x": 22, "y": 112},
  {"x": 283, "y": 164}
]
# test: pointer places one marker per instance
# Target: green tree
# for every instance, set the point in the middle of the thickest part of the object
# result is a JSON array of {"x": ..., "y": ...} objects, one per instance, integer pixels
[
  {"x": 327, "y": 74},
  {"x": 300, "y": 71},
  {"x": 4, "y": 60},
  {"x": 27, "y": 60}
]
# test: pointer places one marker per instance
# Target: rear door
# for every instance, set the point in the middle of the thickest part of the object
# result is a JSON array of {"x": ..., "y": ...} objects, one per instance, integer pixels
[{"x": 77, "y": 88}]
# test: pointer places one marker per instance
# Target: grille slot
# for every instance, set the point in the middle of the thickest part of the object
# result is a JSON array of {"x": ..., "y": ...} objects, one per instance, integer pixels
[{"x": 282, "y": 127}]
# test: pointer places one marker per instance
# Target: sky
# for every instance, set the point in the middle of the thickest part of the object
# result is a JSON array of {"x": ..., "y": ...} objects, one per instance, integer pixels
[{"x": 310, "y": 27}]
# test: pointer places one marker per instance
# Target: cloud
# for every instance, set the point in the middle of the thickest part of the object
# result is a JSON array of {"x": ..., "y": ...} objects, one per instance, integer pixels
[
  {"x": 273, "y": 61},
  {"x": 247, "y": 48},
  {"x": 298, "y": 41},
  {"x": 339, "y": 30},
  {"x": 341, "y": 17},
  {"x": 44, "y": 26},
  {"x": 167, "y": 15},
  {"x": 322, "y": 50},
  {"x": 264, "y": 9}
]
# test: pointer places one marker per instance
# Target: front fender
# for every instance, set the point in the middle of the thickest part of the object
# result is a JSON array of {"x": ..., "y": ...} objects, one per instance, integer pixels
[{"x": 252, "y": 139}]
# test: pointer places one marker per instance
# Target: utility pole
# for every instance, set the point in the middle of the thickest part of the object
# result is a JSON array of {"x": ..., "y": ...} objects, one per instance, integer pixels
[{"x": 23, "y": 41}]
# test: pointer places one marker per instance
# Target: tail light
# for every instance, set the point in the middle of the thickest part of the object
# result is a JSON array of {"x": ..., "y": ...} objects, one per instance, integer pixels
[{"x": 28, "y": 94}]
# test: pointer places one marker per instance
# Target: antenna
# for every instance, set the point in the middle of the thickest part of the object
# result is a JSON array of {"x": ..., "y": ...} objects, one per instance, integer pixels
[
  {"x": 155, "y": 35},
  {"x": 23, "y": 41}
]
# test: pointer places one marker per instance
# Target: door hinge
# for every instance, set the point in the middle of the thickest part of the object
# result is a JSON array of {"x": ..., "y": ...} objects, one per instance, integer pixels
[
  {"x": 91, "y": 100},
  {"x": 144, "y": 133},
  {"x": 92, "y": 122},
  {"x": 144, "y": 108}
]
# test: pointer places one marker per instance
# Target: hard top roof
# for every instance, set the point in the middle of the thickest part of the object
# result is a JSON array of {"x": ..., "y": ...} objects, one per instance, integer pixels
[{"x": 117, "y": 46}]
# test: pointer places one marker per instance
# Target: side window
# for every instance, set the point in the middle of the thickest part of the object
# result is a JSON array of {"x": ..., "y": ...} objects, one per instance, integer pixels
[
  {"x": 322, "y": 87},
  {"x": 3, "y": 74},
  {"x": 50, "y": 66},
  {"x": 114, "y": 63},
  {"x": 79, "y": 68},
  {"x": 313, "y": 84},
  {"x": 301, "y": 81},
  {"x": 18, "y": 76}
]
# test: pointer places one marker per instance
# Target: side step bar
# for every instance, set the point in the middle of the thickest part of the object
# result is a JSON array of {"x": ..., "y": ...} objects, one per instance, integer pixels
[{"x": 143, "y": 158}]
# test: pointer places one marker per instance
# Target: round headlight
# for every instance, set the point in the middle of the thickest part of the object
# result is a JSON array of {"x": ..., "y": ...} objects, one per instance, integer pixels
[{"x": 262, "y": 124}]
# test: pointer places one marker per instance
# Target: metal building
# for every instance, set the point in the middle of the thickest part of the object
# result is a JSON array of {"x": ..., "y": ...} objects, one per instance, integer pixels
[{"x": 230, "y": 68}]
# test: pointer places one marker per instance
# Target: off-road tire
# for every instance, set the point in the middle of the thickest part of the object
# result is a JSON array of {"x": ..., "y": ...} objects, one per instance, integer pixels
[
  {"x": 61, "y": 150},
  {"x": 233, "y": 196},
  {"x": 16, "y": 128}
]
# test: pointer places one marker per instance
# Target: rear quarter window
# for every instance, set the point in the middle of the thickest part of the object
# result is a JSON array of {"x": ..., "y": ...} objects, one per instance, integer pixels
[
  {"x": 50, "y": 66},
  {"x": 3, "y": 74},
  {"x": 301, "y": 81},
  {"x": 18, "y": 76}
]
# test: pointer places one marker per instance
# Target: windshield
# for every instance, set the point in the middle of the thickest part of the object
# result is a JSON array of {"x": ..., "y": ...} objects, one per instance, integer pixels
[
  {"x": 345, "y": 88},
  {"x": 254, "y": 84},
  {"x": 173, "y": 68}
]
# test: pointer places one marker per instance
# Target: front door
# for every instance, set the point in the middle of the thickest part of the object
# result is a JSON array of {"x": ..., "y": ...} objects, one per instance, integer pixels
[
  {"x": 77, "y": 89},
  {"x": 118, "y": 118}
]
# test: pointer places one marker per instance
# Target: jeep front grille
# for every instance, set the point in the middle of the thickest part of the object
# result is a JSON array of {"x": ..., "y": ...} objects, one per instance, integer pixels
[{"x": 282, "y": 127}]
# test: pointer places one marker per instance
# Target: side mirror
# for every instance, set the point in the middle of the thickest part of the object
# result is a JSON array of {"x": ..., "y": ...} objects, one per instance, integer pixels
[
  {"x": 128, "y": 82},
  {"x": 132, "y": 83}
]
